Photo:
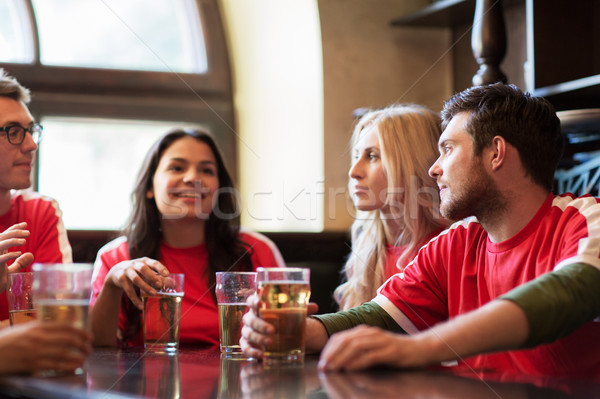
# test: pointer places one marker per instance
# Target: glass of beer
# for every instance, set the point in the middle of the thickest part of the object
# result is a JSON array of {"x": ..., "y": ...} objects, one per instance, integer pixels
[
  {"x": 61, "y": 293},
  {"x": 162, "y": 315},
  {"x": 284, "y": 294},
  {"x": 20, "y": 298},
  {"x": 232, "y": 291}
]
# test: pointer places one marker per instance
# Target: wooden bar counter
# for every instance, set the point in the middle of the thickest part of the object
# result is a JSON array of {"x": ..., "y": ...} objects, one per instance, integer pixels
[{"x": 203, "y": 373}]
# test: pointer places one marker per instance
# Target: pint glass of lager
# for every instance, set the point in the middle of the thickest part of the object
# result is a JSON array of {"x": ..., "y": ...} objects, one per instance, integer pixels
[
  {"x": 284, "y": 295},
  {"x": 61, "y": 293},
  {"x": 162, "y": 315},
  {"x": 232, "y": 290}
]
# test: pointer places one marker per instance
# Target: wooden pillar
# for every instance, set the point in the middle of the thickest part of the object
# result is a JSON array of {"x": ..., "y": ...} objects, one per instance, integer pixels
[{"x": 488, "y": 41}]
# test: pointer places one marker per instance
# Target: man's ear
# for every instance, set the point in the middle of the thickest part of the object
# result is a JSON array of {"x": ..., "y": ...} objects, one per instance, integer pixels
[{"x": 498, "y": 152}]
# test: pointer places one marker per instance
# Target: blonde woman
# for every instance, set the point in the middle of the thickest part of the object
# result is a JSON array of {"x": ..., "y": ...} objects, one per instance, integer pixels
[{"x": 396, "y": 200}]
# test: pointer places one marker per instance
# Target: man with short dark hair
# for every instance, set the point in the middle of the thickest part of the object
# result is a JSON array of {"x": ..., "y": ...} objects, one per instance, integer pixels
[
  {"x": 32, "y": 221},
  {"x": 498, "y": 154}
]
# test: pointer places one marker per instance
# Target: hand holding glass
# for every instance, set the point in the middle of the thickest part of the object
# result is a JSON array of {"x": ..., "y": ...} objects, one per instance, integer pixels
[
  {"x": 284, "y": 294},
  {"x": 61, "y": 293}
]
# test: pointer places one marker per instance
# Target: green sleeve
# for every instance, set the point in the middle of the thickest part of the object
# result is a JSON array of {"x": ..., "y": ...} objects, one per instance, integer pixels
[
  {"x": 368, "y": 313},
  {"x": 558, "y": 303}
]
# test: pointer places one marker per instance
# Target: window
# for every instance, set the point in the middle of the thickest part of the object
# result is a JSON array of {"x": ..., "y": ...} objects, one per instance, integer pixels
[
  {"x": 16, "y": 40},
  {"x": 101, "y": 158},
  {"x": 164, "y": 37}
]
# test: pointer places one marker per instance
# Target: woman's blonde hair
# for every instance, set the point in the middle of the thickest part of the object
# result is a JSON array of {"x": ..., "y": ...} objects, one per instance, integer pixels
[{"x": 408, "y": 136}]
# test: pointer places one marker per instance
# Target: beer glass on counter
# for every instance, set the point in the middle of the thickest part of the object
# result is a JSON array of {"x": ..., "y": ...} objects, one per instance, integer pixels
[
  {"x": 284, "y": 293},
  {"x": 20, "y": 298},
  {"x": 61, "y": 293},
  {"x": 162, "y": 315},
  {"x": 232, "y": 290}
]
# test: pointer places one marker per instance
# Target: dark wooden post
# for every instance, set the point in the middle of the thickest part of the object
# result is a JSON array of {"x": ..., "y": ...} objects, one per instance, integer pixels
[{"x": 488, "y": 41}]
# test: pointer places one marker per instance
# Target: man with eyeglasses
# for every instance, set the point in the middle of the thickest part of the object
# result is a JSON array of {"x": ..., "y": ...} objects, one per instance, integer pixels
[
  {"x": 31, "y": 224},
  {"x": 32, "y": 230}
]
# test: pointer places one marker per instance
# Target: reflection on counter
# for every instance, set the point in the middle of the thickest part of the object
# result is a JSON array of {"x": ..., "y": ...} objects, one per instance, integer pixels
[
  {"x": 284, "y": 381},
  {"x": 204, "y": 373},
  {"x": 161, "y": 377},
  {"x": 230, "y": 386},
  {"x": 426, "y": 384}
]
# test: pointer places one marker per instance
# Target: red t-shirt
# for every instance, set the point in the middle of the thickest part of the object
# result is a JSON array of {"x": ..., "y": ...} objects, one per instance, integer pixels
[
  {"x": 48, "y": 241},
  {"x": 462, "y": 270},
  {"x": 199, "y": 317}
]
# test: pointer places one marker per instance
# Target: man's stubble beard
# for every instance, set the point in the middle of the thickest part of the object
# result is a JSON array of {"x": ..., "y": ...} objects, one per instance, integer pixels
[{"x": 479, "y": 197}]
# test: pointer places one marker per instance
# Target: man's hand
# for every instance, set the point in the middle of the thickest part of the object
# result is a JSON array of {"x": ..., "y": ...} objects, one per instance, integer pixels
[
  {"x": 37, "y": 346},
  {"x": 362, "y": 347},
  {"x": 257, "y": 333},
  {"x": 14, "y": 236}
]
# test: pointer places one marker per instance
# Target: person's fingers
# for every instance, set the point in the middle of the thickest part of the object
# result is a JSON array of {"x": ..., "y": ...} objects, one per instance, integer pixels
[
  {"x": 157, "y": 266},
  {"x": 363, "y": 347},
  {"x": 250, "y": 350},
  {"x": 168, "y": 283},
  {"x": 128, "y": 288},
  {"x": 40, "y": 364},
  {"x": 147, "y": 270},
  {"x": 254, "y": 338},
  {"x": 11, "y": 242},
  {"x": 368, "y": 353},
  {"x": 8, "y": 256},
  {"x": 312, "y": 308},
  {"x": 58, "y": 358},
  {"x": 17, "y": 226},
  {"x": 15, "y": 232},
  {"x": 333, "y": 353},
  {"x": 253, "y": 302},
  {"x": 134, "y": 277},
  {"x": 21, "y": 262},
  {"x": 257, "y": 324},
  {"x": 345, "y": 346},
  {"x": 54, "y": 345},
  {"x": 373, "y": 356}
]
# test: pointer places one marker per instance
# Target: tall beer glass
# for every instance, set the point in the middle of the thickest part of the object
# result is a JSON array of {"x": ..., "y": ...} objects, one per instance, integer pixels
[
  {"x": 61, "y": 293},
  {"x": 232, "y": 290},
  {"x": 284, "y": 294},
  {"x": 162, "y": 315}
]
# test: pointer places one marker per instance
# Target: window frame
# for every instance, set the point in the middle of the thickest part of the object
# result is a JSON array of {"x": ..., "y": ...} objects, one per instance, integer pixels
[{"x": 216, "y": 79}]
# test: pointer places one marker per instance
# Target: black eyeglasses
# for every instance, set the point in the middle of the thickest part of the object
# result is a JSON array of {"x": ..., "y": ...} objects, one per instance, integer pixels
[{"x": 16, "y": 134}]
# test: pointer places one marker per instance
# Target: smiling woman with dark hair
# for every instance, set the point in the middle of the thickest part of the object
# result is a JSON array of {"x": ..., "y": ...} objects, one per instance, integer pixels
[{"x": 185, "y": 219}]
